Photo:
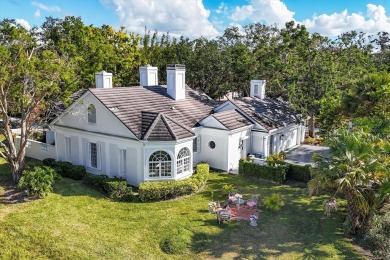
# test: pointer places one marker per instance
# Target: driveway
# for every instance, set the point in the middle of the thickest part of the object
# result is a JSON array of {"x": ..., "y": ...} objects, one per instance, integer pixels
[{"x": 303, "y": 154}]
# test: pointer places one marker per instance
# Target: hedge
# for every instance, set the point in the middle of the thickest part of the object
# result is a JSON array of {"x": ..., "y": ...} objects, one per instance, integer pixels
[
  {"x": 299, "y": 172},
  {"x": 66, "y": 169},
  {"x": 162, "y": 190},
  {"x": 276, "y": 173},
  {"x": 114, "y": 188}
]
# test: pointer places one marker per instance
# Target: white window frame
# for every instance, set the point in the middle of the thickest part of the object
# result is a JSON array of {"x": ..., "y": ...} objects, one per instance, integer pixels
[
  {"x": 91, "y": 117},
  {"x": 183, "y": 161},
  {"x": 68, "y": 149},
  {"x": 98, "y": 156},
  {"x": 197, "y": 141},
  {"x": 161, "y": 165},
  {"x": 122, "y": 163}
]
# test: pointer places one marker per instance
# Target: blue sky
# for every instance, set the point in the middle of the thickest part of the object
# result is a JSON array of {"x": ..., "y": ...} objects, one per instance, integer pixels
[{"x": 209, "y": 18}]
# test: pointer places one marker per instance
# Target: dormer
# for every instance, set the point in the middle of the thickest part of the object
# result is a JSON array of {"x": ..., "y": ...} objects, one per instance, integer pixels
[{"x": 176, "y": 86}]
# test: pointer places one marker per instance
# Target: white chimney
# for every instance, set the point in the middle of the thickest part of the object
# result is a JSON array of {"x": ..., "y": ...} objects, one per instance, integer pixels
[
  {"x": 176, "y": 85},
  {"x": 103, "y": 79},
  {"x": 258, "y": 88},
  {"x": 148, "y": 76}
]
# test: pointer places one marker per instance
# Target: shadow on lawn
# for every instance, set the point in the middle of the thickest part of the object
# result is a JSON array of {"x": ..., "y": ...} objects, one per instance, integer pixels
[{"x": 299, "y": 230}]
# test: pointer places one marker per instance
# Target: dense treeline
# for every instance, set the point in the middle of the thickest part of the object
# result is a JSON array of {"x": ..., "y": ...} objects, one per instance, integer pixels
[{"x": 308, "y": 70}]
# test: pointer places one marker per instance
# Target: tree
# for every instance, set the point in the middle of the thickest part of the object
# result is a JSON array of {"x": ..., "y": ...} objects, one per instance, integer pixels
[
  {"x": 33, "y": 78},
  {"x": 357, "y": 168}
]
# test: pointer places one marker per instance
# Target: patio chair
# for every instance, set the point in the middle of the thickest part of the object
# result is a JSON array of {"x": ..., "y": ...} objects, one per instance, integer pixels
[
  {"x": 223, "y": 215},
  {"x": 252, "y": 203}
]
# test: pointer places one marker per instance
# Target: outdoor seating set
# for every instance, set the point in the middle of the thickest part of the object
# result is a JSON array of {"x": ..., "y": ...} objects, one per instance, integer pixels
[{"x": 236, "y": 208}]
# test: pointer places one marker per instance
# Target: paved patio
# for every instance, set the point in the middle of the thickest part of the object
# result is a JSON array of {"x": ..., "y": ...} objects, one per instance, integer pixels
[{"x": 303, "y": 154}]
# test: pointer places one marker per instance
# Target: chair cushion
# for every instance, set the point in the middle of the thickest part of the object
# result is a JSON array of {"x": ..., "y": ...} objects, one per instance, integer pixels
[{"x": 251, "y": 203}]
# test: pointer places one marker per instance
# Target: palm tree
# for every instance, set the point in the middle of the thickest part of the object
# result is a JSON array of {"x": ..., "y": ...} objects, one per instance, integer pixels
[{"x": 357, "y": 168}]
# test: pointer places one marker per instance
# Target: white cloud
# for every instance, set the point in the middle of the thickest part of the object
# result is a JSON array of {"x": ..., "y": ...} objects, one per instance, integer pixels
[
  {"x": 37, "y": 13},
  {"x": 46, "y": 7},
  {"x": 271, "y": 11},
  {"x": 222, "y": 8},
  {"x": 23, "y": 23},
  {"x": 189, "y": 18},
  {"x": 337, "y": 23}
]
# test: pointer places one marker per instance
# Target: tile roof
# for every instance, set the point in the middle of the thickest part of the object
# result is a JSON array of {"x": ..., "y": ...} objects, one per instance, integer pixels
[
  {"x": 232, "y": 119},
  {"x": 267, "y": 112},
  {"x": 133, "y": 107},
  {"x": 157, "y": 126}
]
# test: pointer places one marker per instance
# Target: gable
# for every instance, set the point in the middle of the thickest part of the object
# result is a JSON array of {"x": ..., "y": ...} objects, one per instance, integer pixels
[
  {"x": 212, "y": 122},
  {"x": 76, "y": 116}
]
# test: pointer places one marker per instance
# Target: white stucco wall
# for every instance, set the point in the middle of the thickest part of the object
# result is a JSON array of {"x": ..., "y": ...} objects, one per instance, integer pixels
[
  {"x": 37, "y": 150},
  {"x": 235, "y": 153},
  {"x": 217, "y": 157},
  {"x": 109, "y": 153},
  {"x": 77, "y": 117}
]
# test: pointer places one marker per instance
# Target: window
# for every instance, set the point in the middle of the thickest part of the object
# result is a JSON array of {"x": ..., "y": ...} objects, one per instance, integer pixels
[
  {"x": 91, "y": 114},
  {"x": 160, "y": 164},
  {"x": 94, "y": 155},
  {"x": 67, "y": 148},
  {"x": 196, "y": 145},
  {"x": 212, "y": 144},
  {"x": 122, "y": 162},
  {"x": 183, "y": 161},
  {"x": 256, "y": 89}
]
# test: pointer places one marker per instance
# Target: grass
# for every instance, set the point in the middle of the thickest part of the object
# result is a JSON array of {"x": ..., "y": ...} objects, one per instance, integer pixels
[{"x": 75, "y": 222}]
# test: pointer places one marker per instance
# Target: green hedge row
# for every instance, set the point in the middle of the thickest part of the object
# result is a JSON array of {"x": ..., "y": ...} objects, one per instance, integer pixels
[
  {"x": 162, "y": 190},
  {"x": 299, "y": 173},
  {"x": 114, "y": 188},
  {"x": 276, "y": 171}
]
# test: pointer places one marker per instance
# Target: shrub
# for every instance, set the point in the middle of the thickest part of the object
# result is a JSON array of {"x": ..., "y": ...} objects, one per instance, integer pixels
[
  {"x": 274, "y": 202},
  {"x": 114, "y": 188},
  {"x": 37, "y": 181},
  {"x": 276, "y": 173},
  {"x": 68, "y": 170},
  {"x": 49, "y": 162},
  {"x": 378, "y": 236},
  {"x": 299, "y": 172},
  {"x": 117, "y": 189},
  {"x": 277, "y": 157},
  {"x": 162, "y": 190},
  {"x": 176, "y": 241}
]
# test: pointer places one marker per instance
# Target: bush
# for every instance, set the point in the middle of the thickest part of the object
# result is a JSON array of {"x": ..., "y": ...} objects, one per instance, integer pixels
[
  {"x": 276, "y": 173},
  {"x": 68, "y": 170},
  {"x": 114, "y": 188},
  {"x": 378, "y": 236},
  {"x": 37, "y": 181},
  {"x": 274, "y": 202},
  {"x": 162, "y": 190},
  {"x": 176, "y": 241},
  {"x": 117, "y": 189},
  {"x": 299, "y": 173},
  {"x": 49, "y": 162},
  {"x": 277, "y": 157}
]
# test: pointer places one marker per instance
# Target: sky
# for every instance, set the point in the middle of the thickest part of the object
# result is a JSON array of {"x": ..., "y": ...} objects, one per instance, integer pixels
[{"x": 209, "y": 18}]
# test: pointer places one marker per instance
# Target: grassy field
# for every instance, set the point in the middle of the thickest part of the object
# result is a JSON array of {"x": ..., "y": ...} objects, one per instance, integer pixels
[{"x": 75, "y": 222}]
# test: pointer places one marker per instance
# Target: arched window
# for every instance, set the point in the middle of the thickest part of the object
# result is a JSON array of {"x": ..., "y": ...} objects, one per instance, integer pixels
[
  {"x": 183, "y": 161},
  {"x": 160, "y": 164},
  {"x": 91, "y": 114}
]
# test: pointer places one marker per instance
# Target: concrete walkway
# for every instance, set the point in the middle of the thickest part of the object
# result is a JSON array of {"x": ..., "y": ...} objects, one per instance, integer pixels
[{"x": 303, "y": 154}]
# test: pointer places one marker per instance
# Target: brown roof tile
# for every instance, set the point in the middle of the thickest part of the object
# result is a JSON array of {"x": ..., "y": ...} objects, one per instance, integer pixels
[
  {"x": 267, "y": 112},
  {"x": 130, "y": 103},
  {"x": 232, "y": 119}
]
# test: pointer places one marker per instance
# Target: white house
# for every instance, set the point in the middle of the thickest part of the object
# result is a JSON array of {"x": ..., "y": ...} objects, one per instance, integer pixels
[{"x": 153, "y": 132}]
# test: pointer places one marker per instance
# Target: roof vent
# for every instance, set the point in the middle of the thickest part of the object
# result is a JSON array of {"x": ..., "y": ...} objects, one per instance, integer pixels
[
  {"x": 176, "y": 85},
  {"x": 103, "y": 79},
  {"x": 257, "y": 88},
  {"x": 173, "y": 108}
]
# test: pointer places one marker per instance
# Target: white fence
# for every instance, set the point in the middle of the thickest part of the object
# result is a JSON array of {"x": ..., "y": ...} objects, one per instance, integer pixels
[{"x": 38, "y": 150}]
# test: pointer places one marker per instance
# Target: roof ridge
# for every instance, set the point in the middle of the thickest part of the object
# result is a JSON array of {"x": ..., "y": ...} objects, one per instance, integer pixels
[
  {"x": 174, "y": 121},
  {"x": 168, "y": 126},
  {"x": 152, "y": 126}
]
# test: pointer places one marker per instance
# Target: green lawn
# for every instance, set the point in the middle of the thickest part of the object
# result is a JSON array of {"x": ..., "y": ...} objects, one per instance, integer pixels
[{"x": 75, "y": 222}]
